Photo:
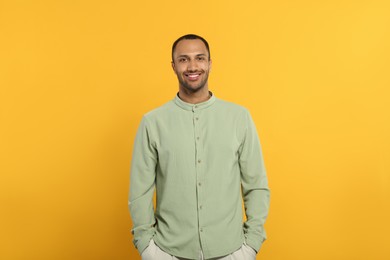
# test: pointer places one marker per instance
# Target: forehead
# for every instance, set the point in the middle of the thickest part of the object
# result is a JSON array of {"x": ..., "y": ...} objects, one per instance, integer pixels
[{"x": 190, "y": 47}]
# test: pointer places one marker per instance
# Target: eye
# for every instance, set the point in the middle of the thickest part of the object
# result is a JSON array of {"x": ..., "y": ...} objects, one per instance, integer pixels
[
  {"x": 182, "y": 59},
  {"x": 201, "y": 58}
]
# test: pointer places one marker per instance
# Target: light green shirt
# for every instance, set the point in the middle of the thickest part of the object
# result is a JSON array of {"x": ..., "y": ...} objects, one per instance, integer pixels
[{"x": 203, "y": 159}]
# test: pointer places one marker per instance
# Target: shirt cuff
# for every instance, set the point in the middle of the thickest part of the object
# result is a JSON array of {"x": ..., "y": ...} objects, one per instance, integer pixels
[
  {"x": 254, "y": 242},
  {"x": 143, "y": 243}
]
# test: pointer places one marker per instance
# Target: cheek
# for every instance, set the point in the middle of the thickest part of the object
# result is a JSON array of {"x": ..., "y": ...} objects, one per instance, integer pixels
[
  {"x": 177, "y": 72},
  {"x": 206, "y": 66}
]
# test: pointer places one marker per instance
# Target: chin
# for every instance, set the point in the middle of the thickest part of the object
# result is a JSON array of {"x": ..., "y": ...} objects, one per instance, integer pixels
[{"x": 194, "y": 88}]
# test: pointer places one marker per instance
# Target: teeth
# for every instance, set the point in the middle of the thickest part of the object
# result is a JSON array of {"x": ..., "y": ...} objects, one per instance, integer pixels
[{"x": 192, "y": 75}]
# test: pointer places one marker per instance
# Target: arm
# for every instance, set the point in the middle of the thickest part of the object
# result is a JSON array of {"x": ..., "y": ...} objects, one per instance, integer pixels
[
  {"x": 142, "y": 182},
  {"x": 254, "y": 183}
]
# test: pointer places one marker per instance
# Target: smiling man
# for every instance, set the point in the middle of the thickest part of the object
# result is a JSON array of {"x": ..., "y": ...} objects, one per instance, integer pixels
[
  {"x": 191, "y": 63},
  {"x": 203, "y": 156}
]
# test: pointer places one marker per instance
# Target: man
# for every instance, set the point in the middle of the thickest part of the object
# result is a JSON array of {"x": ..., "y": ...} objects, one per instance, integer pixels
[{"x": 202, "y": 154}]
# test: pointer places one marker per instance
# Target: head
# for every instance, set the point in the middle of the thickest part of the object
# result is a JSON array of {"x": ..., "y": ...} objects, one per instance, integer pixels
[{"x": 191, "y": 62}]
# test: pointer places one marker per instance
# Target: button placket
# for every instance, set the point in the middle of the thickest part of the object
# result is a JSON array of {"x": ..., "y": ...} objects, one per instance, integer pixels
[{"x": 198, "y": 166}]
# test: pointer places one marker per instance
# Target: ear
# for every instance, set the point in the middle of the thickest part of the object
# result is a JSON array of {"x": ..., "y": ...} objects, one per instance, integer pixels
[
  {"x": 210, "y": 64},
  {"x": 173, "y": 66}
]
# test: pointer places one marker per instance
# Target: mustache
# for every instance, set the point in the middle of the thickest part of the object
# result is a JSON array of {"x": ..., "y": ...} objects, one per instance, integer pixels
[{"x": 194, "y": 71}]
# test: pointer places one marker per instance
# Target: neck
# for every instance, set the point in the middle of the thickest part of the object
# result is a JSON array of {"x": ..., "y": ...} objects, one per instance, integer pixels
[{"x": 194, "y": 97}]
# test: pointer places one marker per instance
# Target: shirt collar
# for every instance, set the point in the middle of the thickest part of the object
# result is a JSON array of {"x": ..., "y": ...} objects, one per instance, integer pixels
[{"x": 192, "y": 107}]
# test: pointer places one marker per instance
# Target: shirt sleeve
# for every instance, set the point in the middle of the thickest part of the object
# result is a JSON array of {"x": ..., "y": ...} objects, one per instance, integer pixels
[
  {"x": 254, "y": 184},
  {"x": 142, "y": 184}
]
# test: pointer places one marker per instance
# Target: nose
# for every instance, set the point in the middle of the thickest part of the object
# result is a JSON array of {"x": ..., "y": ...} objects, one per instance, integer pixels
[{"x": 192, "y": 65}]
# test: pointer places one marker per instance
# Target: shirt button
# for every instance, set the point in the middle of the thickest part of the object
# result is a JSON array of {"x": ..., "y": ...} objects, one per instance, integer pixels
[
  {"x": 200, "y": 184},
  {"x": 197, "y": 118},
  {"x": 197, "y": 138},
  {"x": 200, "y": 207},
  {"x": 195, "y": 106},
  {"x": 201, "y": 229},
  {"x": 199, "y": 161}
]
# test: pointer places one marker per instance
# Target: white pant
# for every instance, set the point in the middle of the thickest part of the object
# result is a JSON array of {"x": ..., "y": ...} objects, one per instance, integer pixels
[{"x": 153, "y": 252}]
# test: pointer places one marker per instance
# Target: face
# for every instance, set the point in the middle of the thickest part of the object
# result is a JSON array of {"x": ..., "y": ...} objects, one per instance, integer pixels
[{"x": 191, "y": 64}]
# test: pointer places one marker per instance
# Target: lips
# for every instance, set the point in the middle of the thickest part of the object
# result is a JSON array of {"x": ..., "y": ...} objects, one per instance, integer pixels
[{"x": 192, "y": 76}]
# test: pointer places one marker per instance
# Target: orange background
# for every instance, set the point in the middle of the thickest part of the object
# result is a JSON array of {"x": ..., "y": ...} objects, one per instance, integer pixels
[{"x": 76, "y": 77}]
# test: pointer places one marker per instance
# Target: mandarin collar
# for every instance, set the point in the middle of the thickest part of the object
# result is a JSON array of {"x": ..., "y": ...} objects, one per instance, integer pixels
[{"x": 197, "y": 106}]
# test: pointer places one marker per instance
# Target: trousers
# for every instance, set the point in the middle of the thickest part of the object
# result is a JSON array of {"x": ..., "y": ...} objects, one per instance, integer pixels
[{"x": 153, "y": 252}]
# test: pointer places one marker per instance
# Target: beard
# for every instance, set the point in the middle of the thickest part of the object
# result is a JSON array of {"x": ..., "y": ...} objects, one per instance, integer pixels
[{"x": 194, "y": 88}]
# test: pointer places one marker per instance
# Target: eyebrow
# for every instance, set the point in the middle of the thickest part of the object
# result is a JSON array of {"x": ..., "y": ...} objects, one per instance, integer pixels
[{"x": 186, "y": 56}]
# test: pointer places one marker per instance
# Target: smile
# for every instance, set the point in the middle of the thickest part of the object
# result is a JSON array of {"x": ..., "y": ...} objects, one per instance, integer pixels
[{"x": 192, "y": 76}]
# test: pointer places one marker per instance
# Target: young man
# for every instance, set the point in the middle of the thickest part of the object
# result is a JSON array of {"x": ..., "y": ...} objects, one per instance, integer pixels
[{"x": 203, "y": 155}]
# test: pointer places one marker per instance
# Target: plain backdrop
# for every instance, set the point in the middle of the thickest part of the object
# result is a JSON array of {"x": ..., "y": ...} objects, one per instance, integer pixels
[{"x": 77, "y": 76}]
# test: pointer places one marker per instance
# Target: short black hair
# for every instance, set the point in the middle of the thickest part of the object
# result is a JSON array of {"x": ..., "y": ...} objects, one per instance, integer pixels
[{"x": 190, "y": 37}]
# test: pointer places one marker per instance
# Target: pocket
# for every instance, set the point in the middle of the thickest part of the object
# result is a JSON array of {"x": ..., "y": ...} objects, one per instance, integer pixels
[
  {"x": 147, "y": 253},
  {"x": 161, "y": 254},
  {"x": 249, "y": 250}
]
